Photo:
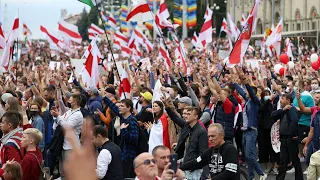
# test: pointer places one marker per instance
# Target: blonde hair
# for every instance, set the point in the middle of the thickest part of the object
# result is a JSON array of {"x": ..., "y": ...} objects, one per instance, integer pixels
[{"x": 34, "y": 134}]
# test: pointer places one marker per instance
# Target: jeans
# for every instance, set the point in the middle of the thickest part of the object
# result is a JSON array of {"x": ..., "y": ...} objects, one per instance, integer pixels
[
  {"x": 194, "y": 175},
  {"x": 309, "y": 153},
  {"x": 250, "y": 149}
]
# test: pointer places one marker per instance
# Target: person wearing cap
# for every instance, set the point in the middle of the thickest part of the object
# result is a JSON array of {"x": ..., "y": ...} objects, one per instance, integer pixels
[
  {"x": 183, "y": 103},
  {"x": 94, "y": 101},
  {"x": 144, "y": 116}
]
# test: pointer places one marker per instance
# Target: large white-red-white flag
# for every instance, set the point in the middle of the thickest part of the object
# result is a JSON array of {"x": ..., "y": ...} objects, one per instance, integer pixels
[
  {"x": 90, "y": 72},
  {"x": 125, "y": 87},
  {"x": 69, "y": 31},
  {"x": 242, "y": 44},
  {"x": 205, "y": 35},
  {"x": 2, "y": 39},
  {"x": 141, "y": 12},
  {"x": 8, "y": 50},
  {"x": 121, "y": 38}
]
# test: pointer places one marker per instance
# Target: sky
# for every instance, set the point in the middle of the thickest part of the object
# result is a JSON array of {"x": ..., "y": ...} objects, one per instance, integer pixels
[{"x": 37, "y": 12}]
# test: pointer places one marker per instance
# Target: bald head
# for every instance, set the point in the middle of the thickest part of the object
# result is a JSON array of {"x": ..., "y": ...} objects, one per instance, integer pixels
[{"x": 145, "y": 167}]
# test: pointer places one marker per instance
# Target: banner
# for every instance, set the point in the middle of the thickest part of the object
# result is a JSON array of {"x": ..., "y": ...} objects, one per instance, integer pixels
[
  {"x": 275, "y": 137},
  {"x": 146, "y": 64}
]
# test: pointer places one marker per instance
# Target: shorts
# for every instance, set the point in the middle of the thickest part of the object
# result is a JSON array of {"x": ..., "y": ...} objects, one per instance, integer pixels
[{"x": 303, "y": 132}]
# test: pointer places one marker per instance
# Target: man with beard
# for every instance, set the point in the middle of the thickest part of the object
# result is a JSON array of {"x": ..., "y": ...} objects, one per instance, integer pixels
[{"x": 145, "y": 101}]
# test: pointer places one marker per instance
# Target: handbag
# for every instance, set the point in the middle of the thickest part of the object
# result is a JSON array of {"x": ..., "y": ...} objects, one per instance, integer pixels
[{"x": 45, "y": 171}]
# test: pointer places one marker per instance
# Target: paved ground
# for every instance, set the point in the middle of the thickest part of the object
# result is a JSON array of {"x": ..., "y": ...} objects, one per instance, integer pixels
[{"x": 288, "y": 176}]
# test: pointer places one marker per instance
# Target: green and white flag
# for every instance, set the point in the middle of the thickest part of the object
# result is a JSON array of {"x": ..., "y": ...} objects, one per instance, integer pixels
[{"x": 91, "y": 3}]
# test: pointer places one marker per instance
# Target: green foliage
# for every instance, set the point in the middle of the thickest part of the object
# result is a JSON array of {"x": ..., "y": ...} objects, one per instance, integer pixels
[{"x": 86, "y": 20}]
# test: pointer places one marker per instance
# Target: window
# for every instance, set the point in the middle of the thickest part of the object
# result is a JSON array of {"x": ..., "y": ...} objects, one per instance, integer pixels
[
  {"x": 286, "y": 27},
  {"x": 308, "y": 27},
  {"x": 314, "y": 26},
  {"x": 298, "y": 26},
  {"x": 293, "y": 27}
]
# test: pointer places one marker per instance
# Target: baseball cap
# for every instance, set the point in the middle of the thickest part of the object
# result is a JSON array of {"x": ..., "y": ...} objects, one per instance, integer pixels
[
  {"x": 5, "y": 96},
  {"x": 146, "y": 95},
  {"x": 93, "y": 89},
  {"x": 185, "y": 100}
]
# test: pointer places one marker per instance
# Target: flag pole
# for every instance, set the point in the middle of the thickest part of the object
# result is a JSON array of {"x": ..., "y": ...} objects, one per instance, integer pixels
[{"x": 110, "y": 48}]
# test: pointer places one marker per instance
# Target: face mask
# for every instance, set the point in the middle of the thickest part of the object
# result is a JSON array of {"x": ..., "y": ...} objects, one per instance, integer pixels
[
  {"x": 69, "y": 105},
  {"x": 314, "y": 86},
  {"x": 287, "y": 90},
  {"x": 33, "y": 113},
  {"x": 295, "y": 88},
  {"x": 266, "y": 98}
]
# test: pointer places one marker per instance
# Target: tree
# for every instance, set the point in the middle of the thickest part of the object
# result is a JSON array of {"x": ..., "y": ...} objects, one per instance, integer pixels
[{"x": 83, "y": 25}]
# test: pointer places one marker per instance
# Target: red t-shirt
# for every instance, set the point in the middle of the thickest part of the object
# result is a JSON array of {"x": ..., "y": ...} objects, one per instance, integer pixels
[{"x": 30, "y": 167}]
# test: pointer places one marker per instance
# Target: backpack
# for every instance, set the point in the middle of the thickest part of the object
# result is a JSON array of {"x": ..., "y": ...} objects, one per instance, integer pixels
[{"x": 44, "y": 171}]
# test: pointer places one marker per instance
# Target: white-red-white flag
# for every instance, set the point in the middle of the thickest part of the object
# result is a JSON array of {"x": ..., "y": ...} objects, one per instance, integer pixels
[
  {"x": 288, "y": 47},
  {"x": 205, "y": 35},
  {"x": 51, "y": 38},
  {"x": 121, "y": 38},
  {"x": 112, "y": 22},
  {"x": 2, "y": 39},
  {"x": 69, "y": 31},
  {"x": 8, "y": 50},
  {"x": 125, "y": 87},
  {"x": 242, "y": 44},
  {"x": 181, "y": 56},
  {"x": 165, "y": 55},
  {"x": 243, "y": 20},
  {"x": 274, "y": 39},
  {"x": 233, "y": 28},
  {"x": 162, "y": 16},
  {"x": 126, "y": 51},
  {"x": 143, "y": 40},
  {"x": 141, "y": 12},
  {"x": 263, "y": 45},
  {"x": 96, "y": 29},
  {"x": 225, "y": 28},
  {"x": 26, "y": 30},
  {"x": 90, "y": 72}
]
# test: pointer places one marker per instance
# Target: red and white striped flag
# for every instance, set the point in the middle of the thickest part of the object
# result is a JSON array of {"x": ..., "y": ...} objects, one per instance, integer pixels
[
  {"x": 8, "y": 50},
  {"x": 125, "y": 87},
  {"x": 162, "y": 15},
  {"x": 112, "y": 22},
  {"x": 205, "y": 35},
  {"x": 243, "y": 20},
  {"x": 242, "y": 44},
  {"x": 90, "y": 72},
  {"x": 121, "y": 38},
  {"x": 96, "y": 29},
  {"x": 195, "y": 41},
  {"x": 288, "y": 47},
  {"x": 141, "y": 12},
  {"x": 165, "y": 55},
  {"x": 143, "y": 40},
  {"x": 26, "y": 30},
  {"x": 233, "y": 28},
  {"x": 263, "y": 45},
  {"x": 52, "y": 39},
  {"x": 274, "y": 39},
  {"x": 2, "y": 39},
  {"x": 126, "y": 51},
  {"x": 69, "y": 31},
  {"x": 181, "y": 56},
  {"x": 225, "y": 28}
]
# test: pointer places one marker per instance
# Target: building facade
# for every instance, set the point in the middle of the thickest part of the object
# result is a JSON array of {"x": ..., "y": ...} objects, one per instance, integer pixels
[{"x": 298, "y": 15}]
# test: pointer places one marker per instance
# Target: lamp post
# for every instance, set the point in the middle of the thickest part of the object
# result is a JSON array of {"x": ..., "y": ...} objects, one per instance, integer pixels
[{"x": 214, "y": 8}]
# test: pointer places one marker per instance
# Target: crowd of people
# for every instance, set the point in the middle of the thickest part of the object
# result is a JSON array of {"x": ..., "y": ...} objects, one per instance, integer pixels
[{"x": 207, "y": 124}]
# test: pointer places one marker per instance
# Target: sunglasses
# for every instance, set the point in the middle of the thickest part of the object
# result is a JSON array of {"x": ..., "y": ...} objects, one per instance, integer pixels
[{"x": 147, "y": 162}]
